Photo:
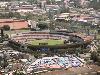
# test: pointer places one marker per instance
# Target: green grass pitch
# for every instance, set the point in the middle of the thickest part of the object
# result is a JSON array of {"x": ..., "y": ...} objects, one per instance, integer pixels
[{"x": 48, "y": 41}]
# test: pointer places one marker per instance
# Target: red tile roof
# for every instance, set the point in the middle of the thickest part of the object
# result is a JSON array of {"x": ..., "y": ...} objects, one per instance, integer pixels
[{"x": 14, "y": 24}]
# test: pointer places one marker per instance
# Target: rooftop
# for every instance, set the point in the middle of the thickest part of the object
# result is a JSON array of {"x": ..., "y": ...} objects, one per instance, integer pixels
[{"x": 14, "y": 24}]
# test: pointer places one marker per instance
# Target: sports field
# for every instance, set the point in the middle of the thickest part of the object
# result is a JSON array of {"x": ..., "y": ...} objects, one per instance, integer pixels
[{"x": 47, "y": 42}]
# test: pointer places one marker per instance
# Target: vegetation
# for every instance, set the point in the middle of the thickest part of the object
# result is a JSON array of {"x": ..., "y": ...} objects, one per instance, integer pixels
[
  {"x": 27, "y": 16},
  {"x": 33, "y": 1},
  {"x": 94, "y": 56},
  {"x": 36, "y": 54},
  {"x": 18, "y": 73},
  {"x": 10, "y": 15},
  {"x": 42, "y": 25},
  {"x": 6, "y": 27},
  {"x": 63, "y": 9},
  {"x": 51, "y": 2},
  {"x": 95, "y": 4}
]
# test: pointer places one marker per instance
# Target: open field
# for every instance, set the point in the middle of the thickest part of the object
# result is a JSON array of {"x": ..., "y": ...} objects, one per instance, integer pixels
[{"x": 47, "y": 42}]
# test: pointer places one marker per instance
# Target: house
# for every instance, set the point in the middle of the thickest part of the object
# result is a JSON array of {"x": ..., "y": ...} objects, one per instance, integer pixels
[
  {"x": 53, "y": 7},
  {"x": 63, "y": 16},
  {"x": 3, "y": 4}
]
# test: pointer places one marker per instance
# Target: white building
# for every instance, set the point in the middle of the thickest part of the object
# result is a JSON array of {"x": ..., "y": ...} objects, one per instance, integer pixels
[{"x": 3, "y": 4}]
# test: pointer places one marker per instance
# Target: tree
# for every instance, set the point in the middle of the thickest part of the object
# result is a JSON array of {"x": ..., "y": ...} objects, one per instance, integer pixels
[
  {"x": 94, "y": 56},
  {"x": 29, "y": 16},
  {"x": 18, "y": 73},
  {"x": 6, "y": 27},
  {"x": 63, "y": 9},
  {"x": 10, "y": 14},
  {"x": 95, "y": 4},
  {"x": 50, "y": 1},
  {"x": 17, "y": 15},
  {"x": 42, "y": 25},
  {"x": 33, "y": 1},
  {"x": 4, "y": 63}
]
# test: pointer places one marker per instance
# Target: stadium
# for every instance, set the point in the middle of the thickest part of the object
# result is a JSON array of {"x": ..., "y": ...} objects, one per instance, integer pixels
[{"x": 49, "y": 40}]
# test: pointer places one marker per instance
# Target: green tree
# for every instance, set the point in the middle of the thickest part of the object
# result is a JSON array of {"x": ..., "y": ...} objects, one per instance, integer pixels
[
  {"x": 95, "y": 4},
  {"x": 51, "y": 1},
  {"x": 33, "y": 1},
  {"x": 18, "y": 73},
  {"x": 10, "y": 14},
  {"x": 63, "y": 9},
  {"x": 29, "y": 16},
  {"x": 94, "y": 56},
  {"x": 1, "y": 15},
  {"x": 16, "y": 15},
  {"x": 6, "y": 27},
  {"x": 42, "y": 25}
]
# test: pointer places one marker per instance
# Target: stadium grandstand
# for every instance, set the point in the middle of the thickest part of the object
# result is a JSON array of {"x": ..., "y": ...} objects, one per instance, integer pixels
[{"x": 49, "y": 40}]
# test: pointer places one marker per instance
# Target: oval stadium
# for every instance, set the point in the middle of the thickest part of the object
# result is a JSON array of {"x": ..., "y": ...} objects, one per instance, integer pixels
[{"x": 49, "y": 40}]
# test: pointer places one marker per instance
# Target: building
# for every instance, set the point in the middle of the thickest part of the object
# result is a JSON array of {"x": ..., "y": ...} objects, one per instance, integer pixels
[
  {"x": 84, "y": 3},
  {"x": 3, "y": 4},
  {"x": 63, "y": 16},
  {"x": 14, "y": 24}
]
